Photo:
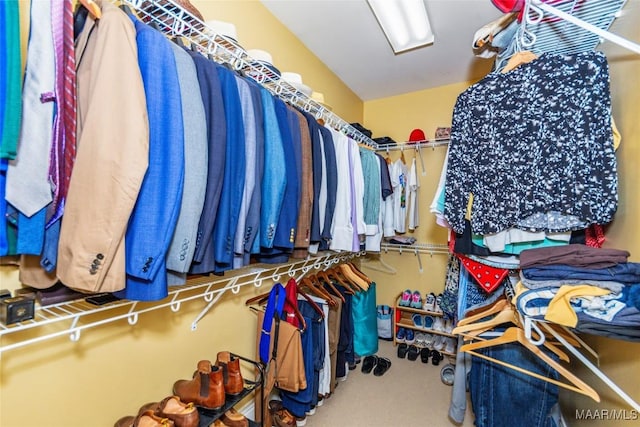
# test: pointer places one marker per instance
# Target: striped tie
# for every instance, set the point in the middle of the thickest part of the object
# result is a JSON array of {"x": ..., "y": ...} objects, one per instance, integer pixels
[{"x": 63, "y": 149}]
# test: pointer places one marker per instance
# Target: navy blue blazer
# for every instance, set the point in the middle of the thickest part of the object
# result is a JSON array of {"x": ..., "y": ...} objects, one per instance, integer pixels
[
  {"x": 252, "y": 244},
  {"x": 332, "y": 186},
  {"x": 318, "y": 166},
  {"x": 155, "y": 214},
  {"x": 211, "y": 91},
  {"x": 226, "y": 225}
]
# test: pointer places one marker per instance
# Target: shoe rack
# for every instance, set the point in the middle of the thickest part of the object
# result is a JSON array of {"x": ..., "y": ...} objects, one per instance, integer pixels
[
  {"x": 208, "y": 416},
  {"x": 402, "y": 319},
  {"x": 72, "y": 317}
]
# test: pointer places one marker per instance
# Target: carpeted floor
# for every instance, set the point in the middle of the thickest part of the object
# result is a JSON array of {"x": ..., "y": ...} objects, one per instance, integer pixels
[{"x": 409, "y": 394}]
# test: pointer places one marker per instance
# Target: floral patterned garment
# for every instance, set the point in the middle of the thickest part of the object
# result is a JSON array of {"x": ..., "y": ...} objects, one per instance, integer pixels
[{"x": 535, "y": 140}]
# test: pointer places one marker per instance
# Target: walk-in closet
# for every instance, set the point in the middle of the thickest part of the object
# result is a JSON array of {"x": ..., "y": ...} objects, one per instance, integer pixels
[{"x": 296, "y": 213}]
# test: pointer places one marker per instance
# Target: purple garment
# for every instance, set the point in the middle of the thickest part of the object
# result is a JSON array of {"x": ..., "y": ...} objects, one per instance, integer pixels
[
  {"x": 354, "y": 214},
  {"x": 575, "y": 255}
]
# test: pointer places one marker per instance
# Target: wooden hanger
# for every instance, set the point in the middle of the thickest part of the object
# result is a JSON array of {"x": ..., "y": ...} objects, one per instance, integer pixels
[
  {"x": 352, "y": 277},
  {"x": 515, "y": 334},
  {"x": 310, "y": 300},
  {"x": 316, "y": 290},
  {"x": 322, "y": 277},
  {"x": 332, "y": 273},
  {"x": 517, "y": 59},
  {"x": 93, "y": 8},
  {"x": 499, "y": 305},
  {"x": 359, "y": 272}
]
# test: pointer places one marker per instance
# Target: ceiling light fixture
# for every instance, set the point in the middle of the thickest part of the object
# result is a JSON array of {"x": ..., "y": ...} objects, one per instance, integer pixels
[{"x": 404, "y": 22}]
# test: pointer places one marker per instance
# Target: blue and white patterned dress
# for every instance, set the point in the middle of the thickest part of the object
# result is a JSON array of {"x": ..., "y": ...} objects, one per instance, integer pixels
[{"x": 535, "y": 148}]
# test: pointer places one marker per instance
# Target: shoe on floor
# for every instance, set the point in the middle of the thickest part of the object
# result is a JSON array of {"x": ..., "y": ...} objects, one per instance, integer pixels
[
  {"x": 424, "y": 355},
  {"x": 402, "y": 350},
  {"x": 436, "y": 357},
  {"x": 383, "y": 366},
  {"x": 412, "y": 353},
  {"x": 447, "y": 374},
  {"x": 369, "y": 363}
]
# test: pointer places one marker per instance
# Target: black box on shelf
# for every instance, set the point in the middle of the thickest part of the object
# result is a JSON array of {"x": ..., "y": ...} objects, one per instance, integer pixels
[{"x": 16, "y": 309}]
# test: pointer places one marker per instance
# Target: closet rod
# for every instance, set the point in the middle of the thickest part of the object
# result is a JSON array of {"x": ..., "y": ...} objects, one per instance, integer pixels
[
  {"x": 627, "y": 44},
  {"x": 414, "y": 145},
  {"x": 425, "y": 248},
  {"x": 174, "y": 21}
]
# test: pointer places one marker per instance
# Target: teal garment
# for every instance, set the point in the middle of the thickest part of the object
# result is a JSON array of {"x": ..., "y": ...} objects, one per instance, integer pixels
[
  {"x": 365, "y": 322},
  {"x": 372, "y": 186},
  {"x": 516, "y": 248},
  {"x": 12, "y": 96}
]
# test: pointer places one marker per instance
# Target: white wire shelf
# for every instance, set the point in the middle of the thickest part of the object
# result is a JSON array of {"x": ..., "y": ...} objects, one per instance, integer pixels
[
  {"x": 175, "y": 22},
  {"x": 72, "y": 317},
  {"x": 569, "y": 26}
]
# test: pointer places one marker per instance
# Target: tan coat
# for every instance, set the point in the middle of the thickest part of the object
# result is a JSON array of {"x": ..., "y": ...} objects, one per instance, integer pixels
[{"x": 112, "y": 154}]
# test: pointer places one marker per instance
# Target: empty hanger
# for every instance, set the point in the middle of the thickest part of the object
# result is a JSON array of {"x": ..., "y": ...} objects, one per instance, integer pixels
[{"x": 515, "y": 334}]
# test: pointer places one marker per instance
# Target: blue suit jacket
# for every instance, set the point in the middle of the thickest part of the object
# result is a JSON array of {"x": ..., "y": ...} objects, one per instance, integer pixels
[
  {"x": 252, "y": 241},
  {"x": 154, "y": 216},
  {"x": 274, "y": 179},
  {"x": 196, "y": 153},
  {"x": 224, "y": 230},
  {"x": 211, "y": 91}
]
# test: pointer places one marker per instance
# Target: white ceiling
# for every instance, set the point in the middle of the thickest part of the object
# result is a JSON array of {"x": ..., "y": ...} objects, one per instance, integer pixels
[{"x": 345, "y": 35}]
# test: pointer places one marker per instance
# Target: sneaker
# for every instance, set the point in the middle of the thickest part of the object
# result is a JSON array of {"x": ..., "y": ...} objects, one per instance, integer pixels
[
  {"x": 438, "y": 343},
  {"x": 409, "y": 336},
  {"x": 301, "y": 421},
  {"x": 437, "y": 307},
  {"x": 438, "y": 324},
  {"x": 428, "y": 340},
  {"x": 416, "y": 300},
  {"x": 450, "y": 345},
  {"x": 417, "y": 320},
  {"x": 405, "y": 300},
  {"x": 448, "y": 325},
  {"x": 401, "y": 334},
  {"x": 420, "y": 340},
  {"x": 429, "y": 302},
  {"x": 428, "y": 322}
]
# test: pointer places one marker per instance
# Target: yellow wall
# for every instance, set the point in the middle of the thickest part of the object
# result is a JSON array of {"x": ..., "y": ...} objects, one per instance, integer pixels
[{"x": 114, "y": 369}]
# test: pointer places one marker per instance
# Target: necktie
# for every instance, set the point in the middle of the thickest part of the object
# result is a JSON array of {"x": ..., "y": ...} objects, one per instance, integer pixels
[
  {"x": 63, "y": 148},
  {"x": 28, "y": 187}
]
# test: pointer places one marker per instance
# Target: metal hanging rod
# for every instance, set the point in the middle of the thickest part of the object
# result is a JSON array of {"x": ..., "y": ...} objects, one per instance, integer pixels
[
  {"x": 174, "y": 21},
  {"x": 429, "y": 143},
  {"x": 72, "y": 317},
  {"x": 417, "y": 249}
]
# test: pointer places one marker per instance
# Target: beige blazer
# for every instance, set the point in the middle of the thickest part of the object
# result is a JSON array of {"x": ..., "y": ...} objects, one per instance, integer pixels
[{"x": 112, "y": 154}]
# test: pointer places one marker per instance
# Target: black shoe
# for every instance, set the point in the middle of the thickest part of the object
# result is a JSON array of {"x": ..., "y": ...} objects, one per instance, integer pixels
[
  {"x": 412, "y": 353},
  {"x": 369, "y": 363},
  {"x": 436, "y": 357},
  {"x": 402, "y": 350},
  {"x": 424, "y": 355}
]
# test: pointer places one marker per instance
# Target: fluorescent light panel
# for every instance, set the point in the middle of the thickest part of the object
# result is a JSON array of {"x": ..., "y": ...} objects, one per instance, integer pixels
[{"x": 404, "y": 22}]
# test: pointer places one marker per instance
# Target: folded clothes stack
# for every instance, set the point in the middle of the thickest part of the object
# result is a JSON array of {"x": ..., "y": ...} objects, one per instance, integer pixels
[{"x": 594, "y": 290}]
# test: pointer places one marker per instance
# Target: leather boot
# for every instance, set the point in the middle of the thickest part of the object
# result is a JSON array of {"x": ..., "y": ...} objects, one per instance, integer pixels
[
  {"x": 233, "y": 382},
  {"x": 206, "y": 389},
  {"x": 149, "y": 419},
  {"x": 171, "y": 407}
]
